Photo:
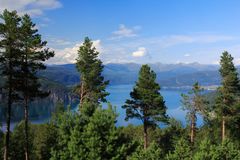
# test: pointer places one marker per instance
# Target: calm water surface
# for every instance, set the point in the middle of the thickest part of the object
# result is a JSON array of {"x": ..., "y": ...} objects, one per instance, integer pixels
[{"x": 118, "y": 95}]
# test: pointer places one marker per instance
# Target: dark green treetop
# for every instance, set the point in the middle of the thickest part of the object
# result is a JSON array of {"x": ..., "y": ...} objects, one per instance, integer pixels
[
  {"x": 9, "y": 49},
  {"x": 146, "y": 102},
  {"x": 92, "y": 86},
  {"x": 33, "y": 54},
  {"x": 230, "y": 90}
]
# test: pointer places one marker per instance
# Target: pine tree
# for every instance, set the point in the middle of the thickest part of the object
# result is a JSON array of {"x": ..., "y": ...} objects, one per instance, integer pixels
[
  {"x": 194, "y": 103},
  {"x": 146, "y": 102},
  {"x": 81, "y": 136},
  {"x": 92, "y": 85},
  {"x": 9, "y": 56},
  {"x": 229, "y": 91},
  {"x": 153, "y": 152},
  {"x": 33, "y": 54},
  {"x": 182, "y": 151},
  {"x": 225, "y": 151},
  {"x": 204, "y": 150}
]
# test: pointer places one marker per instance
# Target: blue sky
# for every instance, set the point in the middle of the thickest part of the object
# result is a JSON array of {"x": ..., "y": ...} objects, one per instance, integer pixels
[{"x": 141, "y": 31}]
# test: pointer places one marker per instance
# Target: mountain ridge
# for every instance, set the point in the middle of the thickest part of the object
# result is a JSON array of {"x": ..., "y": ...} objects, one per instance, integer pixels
[{"x": 126, "y": 73}]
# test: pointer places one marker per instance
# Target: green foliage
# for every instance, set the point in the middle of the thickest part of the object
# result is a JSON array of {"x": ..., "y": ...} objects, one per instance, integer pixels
[
  {"x": 81, "y": 136},
  {"x": 33, "y": 54},
  {"x": 64, "y": 124},
  {"x": 225, "y": 107},
  {"x": 59, "y": 107},
  {"x": 92, "y": 87},
  {"x": 225, "y": 151},
  {"x": 9, "y": 56},
  {"x": 102, "y": 138},
  {"x": 146, "y": 104},
  {"x": 204, "y": 150},
  {"x": 44, "y": 140},
  {"x": 88, "y": 109},
  {"x": 153, "y": 152},
  {"x": 9, "y": 50},
  {"x": 168, "y": 136},
  {"x": 18, "y": 141},
  {"x": 230, "y": 89},
  {"x": 194, "y": 102},
  {"x": 182, "y": 151}
]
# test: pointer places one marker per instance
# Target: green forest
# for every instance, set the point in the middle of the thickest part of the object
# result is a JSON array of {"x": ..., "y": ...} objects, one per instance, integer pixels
[{"x": 92, "y": 133}]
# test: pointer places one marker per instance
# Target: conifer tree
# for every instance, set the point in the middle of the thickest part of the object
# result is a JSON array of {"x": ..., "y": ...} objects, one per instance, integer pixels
[
  {"x": 9, "y": 56},
  {"x": 33, "y": 54},
  {"x": 194, "y": 103},
  {"x": 182, "y": 151},
  {"x": 92, "y": 85},
  {"x": 146, "y": 102},
  {"x": 228, "y": 92}
]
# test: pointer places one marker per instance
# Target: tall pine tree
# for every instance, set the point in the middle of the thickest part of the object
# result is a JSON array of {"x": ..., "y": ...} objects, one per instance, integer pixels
[
  {"x": 33, "y": 54},
  {"x": 194, "y": 103},
  {"x": 146, "y": 102},
  {"x": 228, "y": 92},
  {"x": 92, "y": 85},
  {"x": 9, "y": 56}
]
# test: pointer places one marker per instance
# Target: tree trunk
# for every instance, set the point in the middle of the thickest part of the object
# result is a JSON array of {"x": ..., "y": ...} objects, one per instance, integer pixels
[
  {"x": 81, "y": 94},
  {"x": 26, "y": 128},
  {"x": 223, "y": 128},
  {"x": 192, "y": 132},
  {"x": 6, "y": 147},
  {"x": 145, "y": 135}
]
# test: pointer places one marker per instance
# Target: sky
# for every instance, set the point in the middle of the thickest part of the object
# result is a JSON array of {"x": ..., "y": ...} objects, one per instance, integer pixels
[{"x": 139, "y": 31}]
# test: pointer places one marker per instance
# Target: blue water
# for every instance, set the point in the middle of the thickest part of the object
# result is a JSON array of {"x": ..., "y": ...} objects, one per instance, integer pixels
[{"x": 119, "y": 94}]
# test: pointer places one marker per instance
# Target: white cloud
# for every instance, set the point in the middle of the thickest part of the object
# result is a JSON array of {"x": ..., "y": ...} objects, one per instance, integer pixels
[
  {"x": 140, "y": 52},
  {"x": 172, "y": 40},
  {"x": 198, "y": 38},
  {"x": 46, "y": 19},
  {"x": 216, "y": 62},
  {"x": 32, "y": 7},
  {"x": 69, "y": 54},
  {"x": 237, "y": 61},
  {"x": 124, "y": 32},
  {"x": 167, "y": 49},
  {"x": 58, "y": 42}
]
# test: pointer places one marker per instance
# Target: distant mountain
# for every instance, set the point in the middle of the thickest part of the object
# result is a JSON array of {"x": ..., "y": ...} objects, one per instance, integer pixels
[{"x": 167, "y": 74}]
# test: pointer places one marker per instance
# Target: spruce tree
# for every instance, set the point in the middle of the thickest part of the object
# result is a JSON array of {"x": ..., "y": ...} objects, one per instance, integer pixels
[
  {"x": 33, "y": 54},
  {"x": 146, "y": 102},
  {"x": 92, "y": 85},
  {"x": 228, "y": 92},
  {"x": 194, "y": 103},
  {"x": 9, "y": 56}
]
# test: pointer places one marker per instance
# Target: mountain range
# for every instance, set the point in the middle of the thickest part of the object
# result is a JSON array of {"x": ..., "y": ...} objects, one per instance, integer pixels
[{"x": 168, "y": 75}]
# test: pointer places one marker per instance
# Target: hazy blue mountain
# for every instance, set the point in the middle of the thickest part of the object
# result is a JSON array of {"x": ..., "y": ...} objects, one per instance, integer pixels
[{"x": 167, "y": 74}]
